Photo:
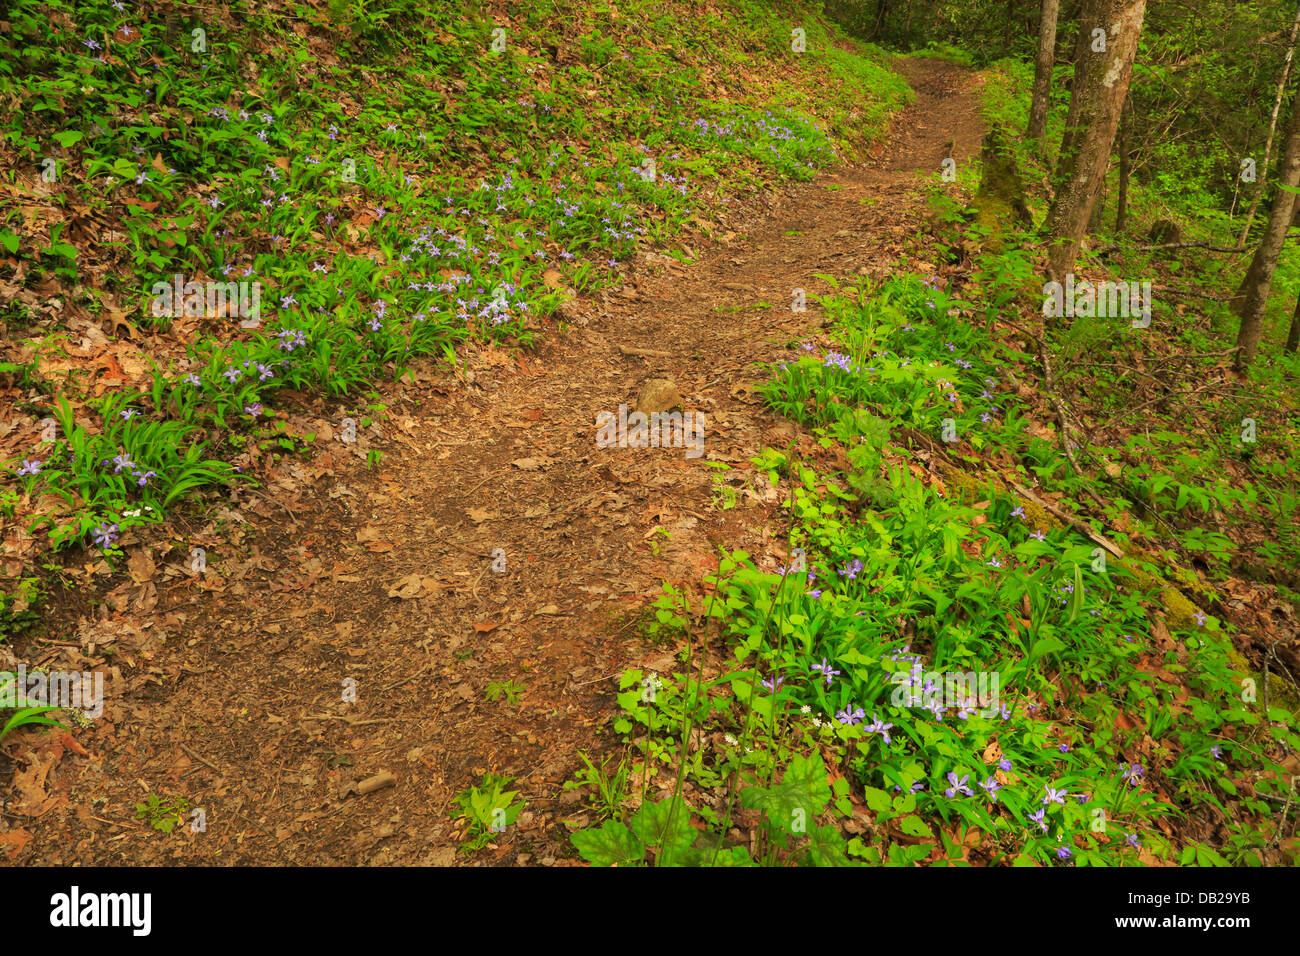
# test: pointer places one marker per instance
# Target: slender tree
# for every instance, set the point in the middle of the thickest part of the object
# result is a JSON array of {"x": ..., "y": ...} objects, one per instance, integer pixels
[
  {"x": 1261, "y": 172},
  {"x": 1043, "y": 68},
  {"x": 1109, "y": 33},
  {"x": 1253, "y": 295}
]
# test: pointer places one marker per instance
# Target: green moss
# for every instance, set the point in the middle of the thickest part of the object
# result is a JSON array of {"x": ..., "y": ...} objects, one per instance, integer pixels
[
  {"x": 1180, "y": 612},
  {"x": 999, "y": 205},
  {"x": 1279, "y": 689}
]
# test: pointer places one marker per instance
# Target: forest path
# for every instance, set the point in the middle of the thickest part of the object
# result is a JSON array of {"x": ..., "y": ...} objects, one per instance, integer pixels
[{"x": 386, "y": 576}]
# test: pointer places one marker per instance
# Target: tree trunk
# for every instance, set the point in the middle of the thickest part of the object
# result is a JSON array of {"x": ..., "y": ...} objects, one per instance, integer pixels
[
  {"x": 1099, "y": 94},
  {"x": 1096, "y": 220},
  {"x": 1083, "y": 58},
  {"x": 882, "y": 13},
  {"x": 1121, "y": 211},
  {"x": 1250, "y": 301},
  {"x": 1043, "y": 69},
  {"x": 1293, "y": 339},
  {"x": 1261, "y": 171}
]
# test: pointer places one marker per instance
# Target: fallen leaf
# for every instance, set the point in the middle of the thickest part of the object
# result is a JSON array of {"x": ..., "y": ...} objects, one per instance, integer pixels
[
  {"x": 14, "y": 841},
  {"x": 113, "y": 371},
  {"x": 608, "y": 474},
  {"x": 408, "y": 587},
  {"x": 30, "y": 785},
  {"x": 141, "y": 566},
  {"x": 369, "y": 536},
  {"x": 530, "y": 464}
]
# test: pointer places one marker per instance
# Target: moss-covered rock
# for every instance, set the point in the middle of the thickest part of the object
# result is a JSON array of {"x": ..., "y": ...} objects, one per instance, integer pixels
[{"x": 1000, "y": 202}]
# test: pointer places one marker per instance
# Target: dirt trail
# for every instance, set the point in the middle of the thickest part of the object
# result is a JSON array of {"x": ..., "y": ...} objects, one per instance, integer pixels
[{"x": 239, "y": 710}]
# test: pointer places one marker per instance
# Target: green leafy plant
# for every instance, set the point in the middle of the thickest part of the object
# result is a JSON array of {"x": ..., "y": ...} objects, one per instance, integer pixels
[
  {"x": 21, "y": 712},
  {"x": 510, "y": 689},
  {"x": 609, "y": 788},
  {"x": 486, "y": 811},
  {"x": 163, "y": 814}
]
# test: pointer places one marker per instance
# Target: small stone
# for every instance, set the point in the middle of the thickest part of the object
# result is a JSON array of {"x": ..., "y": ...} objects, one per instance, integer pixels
[{"x": 658, "y": 395}]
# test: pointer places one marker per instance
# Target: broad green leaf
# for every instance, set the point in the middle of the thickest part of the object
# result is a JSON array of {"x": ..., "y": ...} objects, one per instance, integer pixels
[
  {"x": 665, "y": 824},
  {"x": 878, "y": 800},
  {"x": 914, "y": 826},
  {"x": 612, "y": 845},
  {"x": 791, "y": 804}
]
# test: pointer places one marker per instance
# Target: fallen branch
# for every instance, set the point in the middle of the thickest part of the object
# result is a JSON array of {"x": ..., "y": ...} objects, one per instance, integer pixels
[
  {"x": 1137, "y": 408},
  {"x": 1163, "y": 360},
  {"x": 457, "y": 544},
  {"x": 1196, "y": 295},
  {"x": 405, "y": 680},
  {"x": 379, "y": 781},
  {"x": 1103, "y": 250},
  {"x": 202, "y": 760},
  {"x": 644, "y": 353},
  {"x": 1077, "y": 523}
]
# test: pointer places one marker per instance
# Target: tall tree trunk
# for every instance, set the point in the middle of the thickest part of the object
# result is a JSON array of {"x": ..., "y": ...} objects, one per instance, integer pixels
[
  {"x": 882, "y": 13},
  {"x": 1250, "y": 301},
  {"x": 1125, "y": 121},
  {"x": 1084, "y": 60},
  {"x": 1261, "y": 171},
  {"x": 1099, "y": 93},
  {"x": 1043, "y": 69},
  {"x": 1293, "y": 338},
  {"x": 1096, "y": 220}
]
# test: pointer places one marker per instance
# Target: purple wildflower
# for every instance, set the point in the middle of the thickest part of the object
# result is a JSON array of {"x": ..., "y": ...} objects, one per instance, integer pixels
[
  {"x": 850, "y": 717},
  {"x": 105, "y": 535},
  {"x": 877, "y": 727},
  {"x": 991, "y": 786},
  {"x": 825, "y": 670},
  {"x": 958, "y": 785}
]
